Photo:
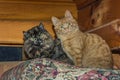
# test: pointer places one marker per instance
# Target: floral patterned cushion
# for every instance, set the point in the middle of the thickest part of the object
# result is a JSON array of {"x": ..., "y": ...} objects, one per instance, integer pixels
[{"x": 46, "y": 69}]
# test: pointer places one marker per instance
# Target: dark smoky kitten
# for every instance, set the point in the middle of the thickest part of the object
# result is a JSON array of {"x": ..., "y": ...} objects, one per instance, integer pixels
[{"x": 39, "y": 43}]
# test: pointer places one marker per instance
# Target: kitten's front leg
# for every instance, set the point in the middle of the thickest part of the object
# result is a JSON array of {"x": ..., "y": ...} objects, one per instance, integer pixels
[
  {"x": 74, "y": 53},
  {"x": 77, "y": 57}
]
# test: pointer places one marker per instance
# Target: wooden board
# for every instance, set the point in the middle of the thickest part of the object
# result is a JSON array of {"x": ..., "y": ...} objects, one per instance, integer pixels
[
  {"x": 11, "y": 32},
  {"x": 17, "y": 16},
  {"x": 35, "y": 10},
  {"x": 39, "y": 0},
  {"x": 110, "y": 32}
]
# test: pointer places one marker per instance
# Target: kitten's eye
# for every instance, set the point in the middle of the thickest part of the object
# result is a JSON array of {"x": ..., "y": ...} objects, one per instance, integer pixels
[
  {"x": 35, "y": 39},
  {"x": 32, "y": 39},
  {"x": 61, "y": 26},
  {"x": 68, "y": 23}
]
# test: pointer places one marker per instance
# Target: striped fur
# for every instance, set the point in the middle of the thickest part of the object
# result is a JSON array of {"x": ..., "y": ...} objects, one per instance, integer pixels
[{"x": 85, "y": 49}]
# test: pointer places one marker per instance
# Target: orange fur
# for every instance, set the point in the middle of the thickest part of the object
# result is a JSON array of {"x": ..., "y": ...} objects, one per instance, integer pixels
[{"x": 85, "y": 49}]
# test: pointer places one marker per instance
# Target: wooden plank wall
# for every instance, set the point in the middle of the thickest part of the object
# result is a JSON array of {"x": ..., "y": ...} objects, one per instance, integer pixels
[
  {"x": 110, "y": 32},
  {"x": 93, "y": 14},
  {"x": 19, "y": 15},
  {"x": 11, "y": 32},
  {"x": 35, "y": 10},
  {"x": 98, "y": 13}
]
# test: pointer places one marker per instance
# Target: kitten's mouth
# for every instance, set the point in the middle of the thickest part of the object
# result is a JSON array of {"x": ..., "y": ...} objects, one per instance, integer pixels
[
  {"x": 37, "y": 44},
  {"x": 67, "y": 30}
]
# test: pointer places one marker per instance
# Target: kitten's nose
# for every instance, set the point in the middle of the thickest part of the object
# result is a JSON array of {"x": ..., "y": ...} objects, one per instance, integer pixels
[{"x": 37, "y": 43}]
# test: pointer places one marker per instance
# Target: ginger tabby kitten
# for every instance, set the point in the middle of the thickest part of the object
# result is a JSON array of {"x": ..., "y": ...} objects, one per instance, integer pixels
[{"x": 85, "y": 49}]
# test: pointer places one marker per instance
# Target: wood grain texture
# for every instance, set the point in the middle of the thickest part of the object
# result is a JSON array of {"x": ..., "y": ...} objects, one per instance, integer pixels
[
  {"x": 17, "y": 16},
  {"x": 36, "y": 0},
  {"x": 85, "y": 14},
  {"x": 116, "y": 59},
  {"x": 110, "y": 32},
  {"x": 11, "y": 32},
  {"x": 35, "y": 10}
]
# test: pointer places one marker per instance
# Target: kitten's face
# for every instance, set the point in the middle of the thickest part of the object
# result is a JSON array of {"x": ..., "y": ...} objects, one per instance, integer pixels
[
  {"x": 37, "y": 40},
  {"x": 65, "y": 26}
]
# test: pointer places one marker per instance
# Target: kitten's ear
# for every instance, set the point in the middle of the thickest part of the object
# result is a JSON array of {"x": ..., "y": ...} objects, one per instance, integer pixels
[
  {"x": 54, "y": 20},
  {"x": 25, "y": 35},
  {"x": 24, "y": 32},
  {"x": 41, "y": 26},
  {"x": 68, "y": 14}
]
